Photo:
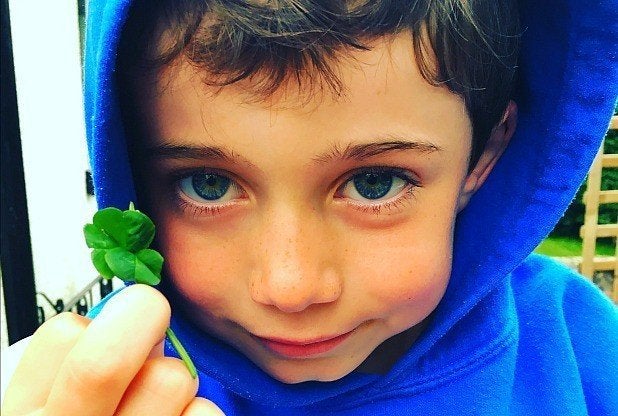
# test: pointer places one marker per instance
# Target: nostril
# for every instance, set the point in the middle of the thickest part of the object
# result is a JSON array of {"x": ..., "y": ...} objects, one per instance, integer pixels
[{"x": 257, "y": 292}]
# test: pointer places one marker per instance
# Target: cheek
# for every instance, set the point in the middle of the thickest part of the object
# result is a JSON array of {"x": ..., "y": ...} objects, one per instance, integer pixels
[
  {"x": 404, "y": 276},
  {"x": 411, "y": 279},
  {"x": 200, "y": 267}
]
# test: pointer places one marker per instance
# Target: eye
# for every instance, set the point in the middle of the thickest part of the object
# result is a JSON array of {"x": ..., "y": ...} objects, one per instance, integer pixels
[
  {"x": 376, "y": 184},
  {"x": 209, "y": 188}
]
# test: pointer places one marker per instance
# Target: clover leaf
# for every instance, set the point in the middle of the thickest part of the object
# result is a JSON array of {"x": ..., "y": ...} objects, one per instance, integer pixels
[
  {"x": 131, "y": 229},
  {"x": 98, "y": 259},
  {"x": 119, "y": 241}
]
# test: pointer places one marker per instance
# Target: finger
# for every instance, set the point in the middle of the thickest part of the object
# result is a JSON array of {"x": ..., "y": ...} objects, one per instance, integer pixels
[
  {"x": 39, "y": 365},
  {"x": 97, "y": 371},
  {"x": 162, "y": 387},
  {"x": 202, "y": 407}
]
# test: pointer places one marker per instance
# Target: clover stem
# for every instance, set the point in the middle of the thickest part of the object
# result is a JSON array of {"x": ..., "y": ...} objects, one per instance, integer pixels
[{"x": 181, "y": 351}]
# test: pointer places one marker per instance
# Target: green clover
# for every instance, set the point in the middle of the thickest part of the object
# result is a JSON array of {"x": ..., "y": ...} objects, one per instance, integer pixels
[{"x": 119, "y": 241}]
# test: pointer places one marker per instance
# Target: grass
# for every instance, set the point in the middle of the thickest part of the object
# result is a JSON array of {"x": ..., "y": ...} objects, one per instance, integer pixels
[{"x": 571, "y": 247}]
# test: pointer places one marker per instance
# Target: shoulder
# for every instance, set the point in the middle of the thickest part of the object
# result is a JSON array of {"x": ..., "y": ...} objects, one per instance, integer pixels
[
  {"x": 567, "y": 324},
  {"x": 544, "y": 287},
  {"x": 541, "y": 281}
]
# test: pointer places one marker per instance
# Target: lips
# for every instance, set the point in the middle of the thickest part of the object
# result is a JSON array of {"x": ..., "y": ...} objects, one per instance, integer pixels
[{"x": 301, "y": 349}]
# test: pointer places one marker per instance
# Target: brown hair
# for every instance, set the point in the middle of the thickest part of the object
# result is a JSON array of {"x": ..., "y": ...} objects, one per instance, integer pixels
[{"x": 471, "y": 46}]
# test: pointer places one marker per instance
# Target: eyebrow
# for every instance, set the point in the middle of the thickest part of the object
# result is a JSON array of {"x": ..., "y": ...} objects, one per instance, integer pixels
[
  {"x": 171, "y": 151},
  {"x": 366, "y": 150},
  {"x": 192, "y": 152},
  {"x": 352, "y": 151}
]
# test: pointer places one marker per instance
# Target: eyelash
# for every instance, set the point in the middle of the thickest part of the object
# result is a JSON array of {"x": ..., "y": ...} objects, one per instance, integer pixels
[
  {"x": 388, "y": 205},
  {"x": 396, "y": 202},
  {"x": 197, "y": 210}
]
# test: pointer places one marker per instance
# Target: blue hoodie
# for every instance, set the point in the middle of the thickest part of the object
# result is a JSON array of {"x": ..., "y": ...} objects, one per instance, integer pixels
[{"x": 515, "y": 333}]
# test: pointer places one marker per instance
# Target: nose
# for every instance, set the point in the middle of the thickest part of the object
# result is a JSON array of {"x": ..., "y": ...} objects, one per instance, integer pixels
[{"x": 294, "y": 268}]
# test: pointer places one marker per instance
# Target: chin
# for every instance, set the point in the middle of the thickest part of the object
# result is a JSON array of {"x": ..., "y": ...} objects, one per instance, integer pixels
[{"x": 308, "y": 372}]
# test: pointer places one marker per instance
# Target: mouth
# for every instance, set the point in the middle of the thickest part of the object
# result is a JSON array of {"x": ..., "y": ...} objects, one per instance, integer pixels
[{"x": 301, "y": 349}]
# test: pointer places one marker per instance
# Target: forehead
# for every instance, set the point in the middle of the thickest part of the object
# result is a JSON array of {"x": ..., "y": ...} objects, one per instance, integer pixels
[{"x": 381, "y": 86}]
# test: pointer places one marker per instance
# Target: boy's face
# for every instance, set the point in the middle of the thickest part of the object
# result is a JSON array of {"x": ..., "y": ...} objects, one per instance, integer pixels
[{"x": 307, "y": 230}]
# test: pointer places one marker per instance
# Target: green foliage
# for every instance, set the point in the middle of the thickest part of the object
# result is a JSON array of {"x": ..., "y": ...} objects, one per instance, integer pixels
[
  {"x": 120, "y": 241},
  {"x": 571, "y": 247}
]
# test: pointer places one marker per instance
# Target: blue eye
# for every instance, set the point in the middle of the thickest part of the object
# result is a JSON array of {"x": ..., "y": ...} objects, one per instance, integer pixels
[
  {"x": 375, "y": 184},
  {"x": 209, "y": 188}
]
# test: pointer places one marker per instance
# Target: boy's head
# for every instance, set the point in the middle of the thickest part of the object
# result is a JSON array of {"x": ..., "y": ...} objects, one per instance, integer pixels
[
  {"x": 469, "y": 46},
  {"x": 305, "y": 163}
]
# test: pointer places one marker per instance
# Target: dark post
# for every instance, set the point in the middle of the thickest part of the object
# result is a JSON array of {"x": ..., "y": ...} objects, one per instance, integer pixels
[{"x": 15, "y": 250}]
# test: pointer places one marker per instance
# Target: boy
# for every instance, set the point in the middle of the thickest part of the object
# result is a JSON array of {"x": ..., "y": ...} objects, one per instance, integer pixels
[{"x": 314, "y": 170}]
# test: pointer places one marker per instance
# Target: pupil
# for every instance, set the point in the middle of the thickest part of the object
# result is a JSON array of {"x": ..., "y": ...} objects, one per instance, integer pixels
[
  {"x": 373, "y": 185},
  {"x": 210, "y": 186}
]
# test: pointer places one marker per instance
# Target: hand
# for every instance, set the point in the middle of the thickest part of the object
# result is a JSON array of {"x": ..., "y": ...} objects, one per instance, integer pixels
[{"x": 113, "y": 365}]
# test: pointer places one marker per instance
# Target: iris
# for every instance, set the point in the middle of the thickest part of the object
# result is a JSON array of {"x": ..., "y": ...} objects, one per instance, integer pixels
[
  {"x": 373, "y": 185},
  {"x": 210, "y": 186}
]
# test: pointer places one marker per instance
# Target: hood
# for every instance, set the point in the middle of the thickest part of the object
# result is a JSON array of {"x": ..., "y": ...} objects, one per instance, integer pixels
[{"x": 566, "y": 93}]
